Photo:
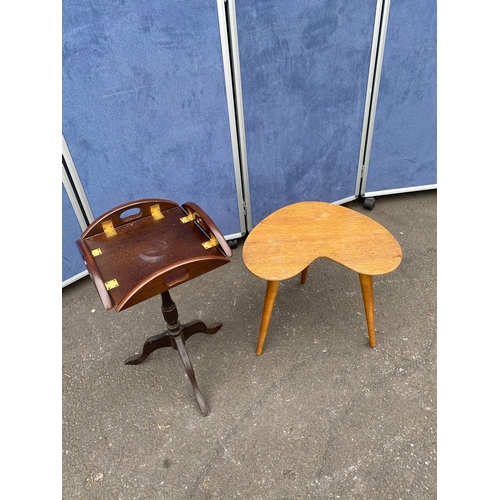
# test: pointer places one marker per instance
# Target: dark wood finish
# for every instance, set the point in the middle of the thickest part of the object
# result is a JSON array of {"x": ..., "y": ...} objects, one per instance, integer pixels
[
  {"x": 175, "y": 337},
  {"x": 148, "y": 256},
  {"x": 163, "y": 339},
  {"x": 142, "y": 249}
]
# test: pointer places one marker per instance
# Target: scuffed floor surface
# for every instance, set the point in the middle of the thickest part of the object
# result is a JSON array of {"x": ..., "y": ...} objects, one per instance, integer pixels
[{"x": 319, "y": 415}]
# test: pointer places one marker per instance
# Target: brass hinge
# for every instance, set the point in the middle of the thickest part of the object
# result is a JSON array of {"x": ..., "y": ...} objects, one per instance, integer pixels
[
  {"x": 108, "y": 228},
  {"x": 96, "y": 252},
  {"x": 111, "y": 284},
  {"x": 211, "y": 243},
  {"x": 189, "y": 218},
  {"x": 156, "y": 212}
]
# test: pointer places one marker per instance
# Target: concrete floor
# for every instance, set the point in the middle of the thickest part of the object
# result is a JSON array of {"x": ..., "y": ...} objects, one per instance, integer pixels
[{"x": 319, "y": 415}]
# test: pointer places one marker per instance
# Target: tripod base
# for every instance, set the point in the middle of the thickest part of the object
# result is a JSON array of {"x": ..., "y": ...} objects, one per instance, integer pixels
[{"x": 175, "y": 337}]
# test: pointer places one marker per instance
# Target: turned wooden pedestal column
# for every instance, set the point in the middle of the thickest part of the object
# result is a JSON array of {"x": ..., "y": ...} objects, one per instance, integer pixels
[{"x": 144, "y": 248}]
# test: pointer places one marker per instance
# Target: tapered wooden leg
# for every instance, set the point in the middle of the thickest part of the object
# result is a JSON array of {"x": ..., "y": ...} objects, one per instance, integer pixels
[
  {"x": 367, "y": 290},
  {"x": 271, "y": 292},
  {"x": 303, "y": 276}
]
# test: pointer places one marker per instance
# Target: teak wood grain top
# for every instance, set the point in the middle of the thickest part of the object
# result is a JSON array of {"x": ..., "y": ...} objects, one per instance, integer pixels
[{"x": 288, "y": 240}]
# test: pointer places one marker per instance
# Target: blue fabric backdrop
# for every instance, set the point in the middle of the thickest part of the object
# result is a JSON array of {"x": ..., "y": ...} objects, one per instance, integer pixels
[
  {"x": 144, "y": 104},
  {"x": 404, "y": 147},
  {"x": 304, "y": 70}
]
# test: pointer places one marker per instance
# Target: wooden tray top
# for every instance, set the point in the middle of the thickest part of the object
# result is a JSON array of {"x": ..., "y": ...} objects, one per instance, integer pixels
[
  {"x": 290, "y": 239},
  {"x": 134, "y": 257}
]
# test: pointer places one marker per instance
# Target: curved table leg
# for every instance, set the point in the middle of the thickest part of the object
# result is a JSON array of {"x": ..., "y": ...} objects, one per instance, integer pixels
[
  {"x": 151, "y": 344},
  {"x": 175, "y": 336},
  {"x": 199, "y": 327},
  {"x": 163, "y": 339},
  {"x": 175, "y": 330},
  {"x": 271, "y": 293},
  {"x": 367, "y": 291},
  {"x": 179, "y": 341}
]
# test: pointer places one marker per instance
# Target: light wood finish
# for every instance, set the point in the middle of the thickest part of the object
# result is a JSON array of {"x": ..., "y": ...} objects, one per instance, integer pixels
[
  {"x": 271, "y": 293},
  {"x": 286, "y": 242},
  {"x": 367, "y": 291}
]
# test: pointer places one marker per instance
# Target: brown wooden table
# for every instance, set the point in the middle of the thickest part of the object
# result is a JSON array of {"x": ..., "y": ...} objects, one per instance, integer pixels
[
  {"x": 144, "y": 248},
  {"x": 286, "y": 242}
]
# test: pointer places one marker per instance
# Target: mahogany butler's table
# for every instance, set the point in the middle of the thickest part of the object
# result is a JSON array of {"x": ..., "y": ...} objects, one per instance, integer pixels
[
  {"x": 286, "y": 242},
  {"x": 145, "y": 248}
]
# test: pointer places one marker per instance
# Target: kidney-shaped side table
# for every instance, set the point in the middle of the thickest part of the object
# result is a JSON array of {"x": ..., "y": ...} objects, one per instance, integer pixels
[
  {"x": 144, "y": 248},
  {"x": 286, "y": 242}
]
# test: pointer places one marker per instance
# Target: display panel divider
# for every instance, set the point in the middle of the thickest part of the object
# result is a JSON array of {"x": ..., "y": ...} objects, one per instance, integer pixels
[{"x": 377, "y": 56}]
